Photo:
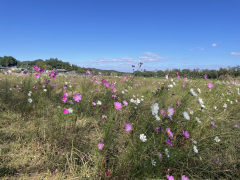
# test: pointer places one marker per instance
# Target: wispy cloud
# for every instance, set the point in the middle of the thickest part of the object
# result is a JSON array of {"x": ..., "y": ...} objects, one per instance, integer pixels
[
  {"x": 200, "y": 48},
  {"x": 236, "y": 54},
  {"x": 214, "y": 45},
  {"x": 153, "y": 57}
]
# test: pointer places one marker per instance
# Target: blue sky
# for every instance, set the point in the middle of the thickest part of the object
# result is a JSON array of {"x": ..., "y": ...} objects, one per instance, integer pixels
[{"x": 111, "y": 34}]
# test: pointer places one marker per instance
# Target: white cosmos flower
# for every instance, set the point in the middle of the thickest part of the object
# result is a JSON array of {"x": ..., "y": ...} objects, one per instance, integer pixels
[
  {"x": 215, "y": 107},
  {"x": 153, "y": 162},
  {"x": 198, "y": 120},
  {"x": 99, "y": 102},
  {"x": 170, "y": 86},
  {"x": 228, "y": 100},
  {"x": 30, "y": 100},
  {"x": 70, "y": 110},
  {"x": 122, "y": 92},
  {"x": 134, "y": 96},
  {"x": 192, "y": 92},
  {"x": 195, "y": 149},
  {"x": 186, "y": 116},
  {"x": 225, "y": 105},
  {"x": 203, "y": 106},
  {"x": 45, "y": 90},
  {"x": 143, "y": 138},
  {"x": 126, "y": 90},
  {"x": 154, "y": 108},
  {"x": 172, "y": 80},
  {"x": 66, "y": 83},
  {"x": 191, "y": 112},
  {"x": 132, "y": 100},
  {"x": 199, "y": 91},
  {"x": 217, "y": 139},
  {"x": 231, "y": 102},
  {"x": 166, "y": 151},
  {"x": 29, "y": 94},
  {"x": 200, "y": 100},
  {"x": 70, "y": 86},
  {"x": 174, "y": 83},
  {"x": 157, "y": 117}
]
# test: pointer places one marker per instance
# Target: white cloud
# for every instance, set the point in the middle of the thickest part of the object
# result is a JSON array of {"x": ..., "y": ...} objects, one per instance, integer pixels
[
  {"x": 200, "y": 48},
  {"x": 236, "y": 54},
  {"x": 214, "y": 45}
]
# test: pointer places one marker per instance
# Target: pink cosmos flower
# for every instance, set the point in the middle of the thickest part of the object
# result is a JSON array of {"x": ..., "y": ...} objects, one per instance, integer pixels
[
  {"x": 125, "y": 103},
  {"x": 185, "y": 133},
  {"x": 178, "y": 76},
  {"x": 210, "y": 85},
  {"x": 162, "y": 112},
  {"x": 77, "y": 97},
  {"x": 42, "y": 70},
  {"x": 93, "y": 103},
  {"x": 64, "y": 98},
  {"x": 88, "y": 72},
  {"x": 148, "y": 87},
  {"x": 112, "y": 86},
  {"x": 170, "y": 177},
  {"x": 213, "y": 125},
  {"x": 37, "y": 75},
  {"x": 183, "y": 85},
  {"x": 54, "y": 77},
  {"x": 106, "y": 84},
  {"x": 114, "y": 96},
  {"x": 118, "y": 105},
  {"x": 184, "y": 177},
  {"x": 43, "y": 86},
  {"x": 114, "y": 90},
  {"x": 103, "y": 116},
  {"x": 128, "y": 127},
  {"x": 169, "y": 133},
  {"x": 52, "y": 72},
  {"x": 179, "y": 103},
  {"x": 100, "y": 146},
  {"x": 36, "y": 68},
  {"x": 108, "y": 172},
  {"x": 66, "y": 94},
  {"x": 65, "y": 111}
]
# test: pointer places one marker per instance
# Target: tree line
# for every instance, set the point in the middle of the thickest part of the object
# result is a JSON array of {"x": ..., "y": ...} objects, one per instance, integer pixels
[{"x": 55, "y": 63}]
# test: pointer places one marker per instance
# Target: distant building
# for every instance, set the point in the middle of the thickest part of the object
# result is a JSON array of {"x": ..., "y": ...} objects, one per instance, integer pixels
[
  {"x": 60, "y": 71},
  {"x": 72, "y": 72}
]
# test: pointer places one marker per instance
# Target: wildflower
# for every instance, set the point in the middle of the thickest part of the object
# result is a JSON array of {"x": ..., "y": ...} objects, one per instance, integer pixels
[
  {"x": 195, "y": 142},
  {"x": 88, "y": 72},
  {"x": 153, "y": 162},
  {"x": 70, "y": 86},
  {"x": 213, "y": 125},
  {"x": 100, "y": 146},
  {"x": 200, "y": 100},
  {"x": 143, "y": 138},
  {"x": 169, "y": 133},
  {"x": 103, "y": 116},
  {"x": 132, "y": 100},
  {"x": 118, "y": 105},
  {"x": 128, "y": 127},
  {"x": 225, "y": 105},
  {"x": 64, "y": 98},
  {"x": 186, "y": 116},
  {"x": 162, "y": 112},
  {"x": 157, "y": 117},
  {"x": 77, "y": 97},
  {"x": 154, "y": 108},
  {"x": 30, "y": 100},
  {"x": 217, "y": 160},
  {"x": 93, "y": 103},
  {"x": 66, "y": 94},
  {"x": 192, "y": 92},
  {"x": 104, "y": 107},
  {"x": 179, "y": 103},
  {"x": 199, "y": 91},
  {"x": 108, "y": 172},
  {"x": 168, "y": 141},
  {"x": 166, "y": 151},
  {"x": 185, "y": 133},
  {"x": 170, "y": 111},
  {"x": 126, "y": 90},
  {"x": 184, "y": 177},
  {"x": 37, "y": 75},
  {"x": 65, "y": 111},
  {"x": 70, "y": 110},
  {"x": 210, "y": 85},
  {"x": 198, "y": 120},
  {"x": 236, "y": 126},
  {"x": 43, "y": 86},
  {"x": 29, "y": 94},
  {"x": 123, "y": 92},
  {"x": 159, "y": 155},
  {"x": 217, "y": 139},
  {"x": 215, "y": 107},
  {"x": 195, "y": 149}
]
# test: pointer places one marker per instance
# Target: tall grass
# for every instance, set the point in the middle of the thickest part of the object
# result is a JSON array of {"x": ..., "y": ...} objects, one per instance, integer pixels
[{"x": 38, "y": 140}]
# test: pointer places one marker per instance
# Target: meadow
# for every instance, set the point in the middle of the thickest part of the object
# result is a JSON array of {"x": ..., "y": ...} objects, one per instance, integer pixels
[{"x": 103, "y": 127}]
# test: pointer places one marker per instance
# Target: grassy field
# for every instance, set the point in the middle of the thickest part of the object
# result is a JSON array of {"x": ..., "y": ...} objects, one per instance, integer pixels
[{"x": 49, "y": 131}]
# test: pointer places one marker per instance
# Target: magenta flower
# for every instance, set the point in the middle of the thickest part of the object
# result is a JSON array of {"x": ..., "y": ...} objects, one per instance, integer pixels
[
  {"x": 210, "y": 85},
  {"x": 114, "y": 90},
  {"x": 125, "y": 103},
  {"x": 64, "y": 87},
  {"x": 77, "y": 97},
  {"x": 112, "y": 86},
  {"x": 88, "y": 72},
  {"x": 42, "y": 70},
  {"x": 114, "y": 96},
  {"x": 179, "y": 103},
  {"x": 128, "y": 127},
  {"x": 170, "y": 177},
  {"x": 100, "y": 146},
  {"x": 64, "y": 98},
  {"x": 36, "y": 68},
  {"x": 183, "y": 85},
  {"x": 169, "y": 133},
  {"x": 43, "y": 86},
  {"x": 103, "y": 116},
  {"x": 37, "y": 75},
  {"x": 184, "y": 177},
  {"x": 65, "y": 111},
  {"x": 54, "y": 77},
  {"x": 168, "y": 141},
  {"x": 118, "y": 105},
  {"x": 213, "y": 125},
  {"x": 162, "y": 112},
  {"x": 157, "y": 129},
  {"x": 106, "y": 84},
  {"x": 185, "y": 133},
  {"x": 52, "y": 72},
  {"x": 93, "y": 103},
  {"x": 66, "y": 94}
]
